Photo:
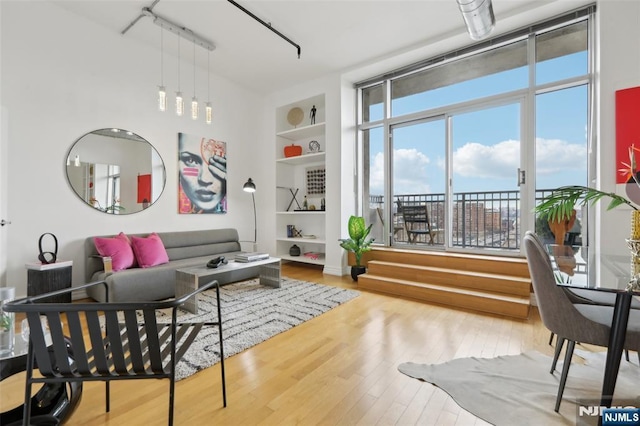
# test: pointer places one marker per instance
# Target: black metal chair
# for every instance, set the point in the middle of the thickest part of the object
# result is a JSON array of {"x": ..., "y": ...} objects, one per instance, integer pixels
[
  {"x": 122, "y": 341},
  {"x": 416, "y": 221}
]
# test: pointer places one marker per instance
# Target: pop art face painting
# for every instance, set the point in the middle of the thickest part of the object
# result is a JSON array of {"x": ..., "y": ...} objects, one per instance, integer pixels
[{"x": 202, "y": 172}]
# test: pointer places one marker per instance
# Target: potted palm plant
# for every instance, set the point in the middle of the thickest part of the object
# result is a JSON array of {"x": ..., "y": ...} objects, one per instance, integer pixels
[
  {"x": 357, "y": 243},
  {"x": 560, "y": 204}
]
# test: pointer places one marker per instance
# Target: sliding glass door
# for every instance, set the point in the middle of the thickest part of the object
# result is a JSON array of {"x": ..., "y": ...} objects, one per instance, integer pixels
[
  {"x": 485, "y": 192},
  {"x": 419, "y": 176}
]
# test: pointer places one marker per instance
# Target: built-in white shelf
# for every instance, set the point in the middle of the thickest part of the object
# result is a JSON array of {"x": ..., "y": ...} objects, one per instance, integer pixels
[
  {"x": 302, "y": 132},
  {"x": 303, "y": 259},
  {"x": 292, "y": 186},
  {"x": 316, "y": 157},
  {"x": 303, "y": 212},
  {"x": 302, "y": 240}
]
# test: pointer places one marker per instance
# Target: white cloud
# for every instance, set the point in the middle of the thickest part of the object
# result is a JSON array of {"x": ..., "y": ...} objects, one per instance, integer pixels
[
  {"x": 474, "y": 160},
  {"x": 555, "y": 155},
  {"x": 487, "y": 161},
  {"x": 410, "y": 167},
  {"x": 503, "y": 158}
]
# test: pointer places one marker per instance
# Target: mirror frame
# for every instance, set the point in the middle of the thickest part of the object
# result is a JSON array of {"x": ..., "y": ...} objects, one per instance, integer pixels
[{"x": 85, "y": 147}]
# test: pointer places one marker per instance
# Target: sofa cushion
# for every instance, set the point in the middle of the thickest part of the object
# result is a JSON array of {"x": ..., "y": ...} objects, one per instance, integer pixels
[
  {"x": 118, "y": 249},
  {"x": 149, "y": 251}
]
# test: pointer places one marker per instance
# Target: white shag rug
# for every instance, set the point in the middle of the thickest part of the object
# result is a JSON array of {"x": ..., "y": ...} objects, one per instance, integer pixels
[{"x": 251, "y": 314}]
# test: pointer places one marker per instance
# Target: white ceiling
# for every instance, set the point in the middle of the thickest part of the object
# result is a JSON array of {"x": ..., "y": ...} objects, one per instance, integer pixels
[{"x": 334, "y": 35}]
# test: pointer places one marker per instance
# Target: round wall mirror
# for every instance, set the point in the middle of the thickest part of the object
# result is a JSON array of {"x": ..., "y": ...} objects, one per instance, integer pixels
[{"x": 115, "y": 171}]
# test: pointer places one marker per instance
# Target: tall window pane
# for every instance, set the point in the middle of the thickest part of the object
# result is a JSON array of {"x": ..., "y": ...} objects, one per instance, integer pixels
[
  {"x": 562, "y": 53},
  {"x": 419, "y": 182},
  {"x": 561, "y": 149},
  {"x": 373, "y": 184},
  {"x": 485, "y": 162},
  {"x": 372, "y": 103},
  {"x": 496, "y": 71}
]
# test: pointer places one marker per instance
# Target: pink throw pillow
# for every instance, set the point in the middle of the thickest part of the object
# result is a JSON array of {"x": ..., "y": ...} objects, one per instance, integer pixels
[
  {"x": 149, "y": 251},
  {"x": 118, "y": 249}
]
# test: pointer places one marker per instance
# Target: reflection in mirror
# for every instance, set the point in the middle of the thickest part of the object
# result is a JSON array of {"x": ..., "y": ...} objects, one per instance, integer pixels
[{"x": 115, "y": 171}]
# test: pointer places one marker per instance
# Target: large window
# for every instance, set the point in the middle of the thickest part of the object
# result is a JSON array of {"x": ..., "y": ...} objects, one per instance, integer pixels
[{"x": 473, "y": 140}]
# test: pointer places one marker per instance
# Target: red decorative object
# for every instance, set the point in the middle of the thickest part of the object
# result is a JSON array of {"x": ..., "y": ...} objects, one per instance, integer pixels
[
  {"x": 292, "y": 150},
  {"x": 144, "y": 188},
  {"x": 627, "y": 126}
]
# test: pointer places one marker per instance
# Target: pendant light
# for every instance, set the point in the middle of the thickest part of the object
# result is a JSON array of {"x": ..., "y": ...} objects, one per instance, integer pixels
[
  {"x": 194, "y": 100},
  {"x": 208, "y": 113},
  {"x": 162, "y": 92},
  {"x": 179, "y": 100}
]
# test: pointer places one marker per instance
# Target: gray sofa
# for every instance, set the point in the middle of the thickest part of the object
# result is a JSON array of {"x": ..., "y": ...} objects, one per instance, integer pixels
[{"x": 185, "y": 249}]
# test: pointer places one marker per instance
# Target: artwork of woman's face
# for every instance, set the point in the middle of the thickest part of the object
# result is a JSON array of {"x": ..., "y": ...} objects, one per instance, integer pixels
[{"x": 203, "y": 171}]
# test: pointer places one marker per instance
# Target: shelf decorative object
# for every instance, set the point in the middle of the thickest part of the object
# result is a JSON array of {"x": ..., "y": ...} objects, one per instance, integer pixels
[
  {"x": 294, "y": 250},
  {"x": 316, "y": 178},
  {"x": 295, "y": 116},
  {"x": 292, "y": 150}
]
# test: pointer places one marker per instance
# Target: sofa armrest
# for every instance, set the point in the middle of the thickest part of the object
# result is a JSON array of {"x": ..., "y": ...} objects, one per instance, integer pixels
[{"x": 107, "y": 264}]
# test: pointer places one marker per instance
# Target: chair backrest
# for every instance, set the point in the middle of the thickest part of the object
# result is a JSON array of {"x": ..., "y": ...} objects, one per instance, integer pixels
[
  {"x": 413, "y": 212},
  {"x": 556, "y": 310},
  {"x": 128, "y": 342},
  {"x": 121, "y": 339}
]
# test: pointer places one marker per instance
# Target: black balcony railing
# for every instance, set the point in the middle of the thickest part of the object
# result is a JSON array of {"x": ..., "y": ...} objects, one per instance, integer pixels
[{"x": 480, "y": 219}]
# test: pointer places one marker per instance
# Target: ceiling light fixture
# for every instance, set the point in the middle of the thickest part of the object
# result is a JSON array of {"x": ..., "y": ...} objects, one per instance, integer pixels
[
  {"x": 179, "y": 100},
  {"x": 478, "y": 17},
  {"x": 268, "y": 25},
  {"x": 194, "y": 100},
  {"x": 208, "y": 112},
  {"x": 162, "y": 91}
]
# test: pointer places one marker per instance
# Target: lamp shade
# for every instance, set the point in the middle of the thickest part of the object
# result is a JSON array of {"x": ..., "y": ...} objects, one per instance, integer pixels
[{"x": 249, "y": 186}]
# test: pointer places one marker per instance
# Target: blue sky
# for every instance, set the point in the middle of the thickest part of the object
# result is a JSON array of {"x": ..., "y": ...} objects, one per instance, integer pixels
[{"x": 486, "y": 143}]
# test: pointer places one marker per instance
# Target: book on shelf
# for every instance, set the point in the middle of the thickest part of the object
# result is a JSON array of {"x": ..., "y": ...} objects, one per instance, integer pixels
[
  {"x": 251, "y": 257},
  {"x": 313, "y": 255}
]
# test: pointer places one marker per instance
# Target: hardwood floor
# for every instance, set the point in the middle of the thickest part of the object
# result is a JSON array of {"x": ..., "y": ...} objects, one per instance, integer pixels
[{"x": 337, "y": 369}]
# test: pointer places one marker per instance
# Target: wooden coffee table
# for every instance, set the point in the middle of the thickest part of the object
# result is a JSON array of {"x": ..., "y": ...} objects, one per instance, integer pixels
[{"x": 188, "y": 279}]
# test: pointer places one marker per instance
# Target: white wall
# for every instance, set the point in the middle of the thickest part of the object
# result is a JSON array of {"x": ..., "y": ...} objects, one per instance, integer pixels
[
  {"x": 618, "y": 68},
  {"x": 62, "y": 77}
]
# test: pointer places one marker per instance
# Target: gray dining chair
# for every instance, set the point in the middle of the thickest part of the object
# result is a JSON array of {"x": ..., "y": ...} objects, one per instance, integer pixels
[
  {"x": 585, "y": 297},
  {"x": 585, "y": 323}
]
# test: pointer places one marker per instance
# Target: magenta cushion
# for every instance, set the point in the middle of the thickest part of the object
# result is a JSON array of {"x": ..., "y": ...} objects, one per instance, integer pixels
[
  {"x": 149, "y": 251},
  {"x": 118, "y": 249}
]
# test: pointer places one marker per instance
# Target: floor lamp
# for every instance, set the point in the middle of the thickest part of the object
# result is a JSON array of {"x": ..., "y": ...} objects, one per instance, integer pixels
[{"x": 249, "y": 186}]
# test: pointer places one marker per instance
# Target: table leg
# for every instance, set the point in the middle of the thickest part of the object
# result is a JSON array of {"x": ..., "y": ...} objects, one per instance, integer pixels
[
  {"x": 616, "y": 345},
  {"x": 185, "y": 284},
  {"x": 270, "y": 274}
]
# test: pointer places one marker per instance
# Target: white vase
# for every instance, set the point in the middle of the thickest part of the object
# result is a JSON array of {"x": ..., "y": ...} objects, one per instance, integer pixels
[{"x": 7, "y": 329}]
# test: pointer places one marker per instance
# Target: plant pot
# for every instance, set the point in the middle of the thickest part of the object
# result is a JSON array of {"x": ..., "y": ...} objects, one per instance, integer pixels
[{"x": 357, "y": 270}]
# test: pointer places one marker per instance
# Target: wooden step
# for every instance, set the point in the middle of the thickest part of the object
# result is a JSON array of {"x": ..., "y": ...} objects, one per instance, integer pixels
[
  {"x": 512, "y": 306},
  {"x": 512, "y": 266},
  {"x": 493, "y": 282},
  {"x": 486, "y": 283}
]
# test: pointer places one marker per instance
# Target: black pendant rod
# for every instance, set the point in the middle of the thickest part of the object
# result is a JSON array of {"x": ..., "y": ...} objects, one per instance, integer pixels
[{"x": 266, "y": 24}]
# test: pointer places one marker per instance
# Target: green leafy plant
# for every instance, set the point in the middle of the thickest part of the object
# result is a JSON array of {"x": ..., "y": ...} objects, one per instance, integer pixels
[
  {"x": 559, "y": 205},
  {"x": 5, "y": 322},
  {"x": 357, "y": 243}
]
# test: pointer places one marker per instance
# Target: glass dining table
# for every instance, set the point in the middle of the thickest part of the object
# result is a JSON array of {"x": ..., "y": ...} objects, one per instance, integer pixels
[{"x": 579, "y": 267}]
